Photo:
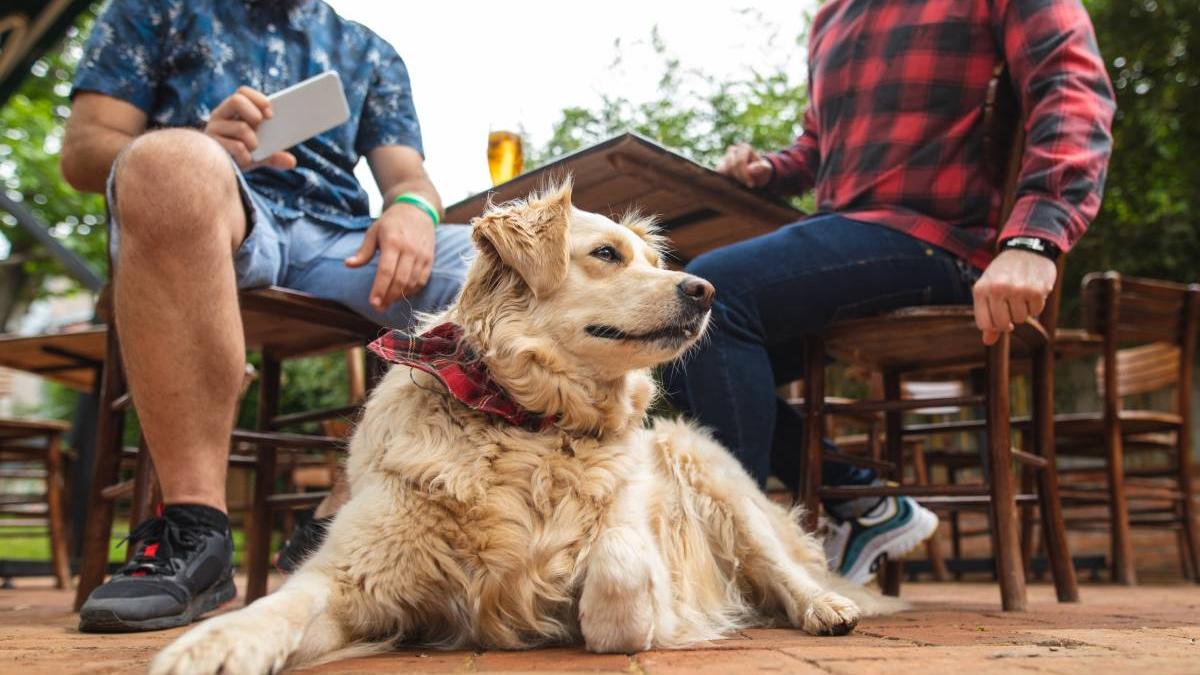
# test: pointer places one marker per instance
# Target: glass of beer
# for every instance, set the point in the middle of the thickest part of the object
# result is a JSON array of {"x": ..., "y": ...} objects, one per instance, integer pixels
[{"x": 506, "y": 159}]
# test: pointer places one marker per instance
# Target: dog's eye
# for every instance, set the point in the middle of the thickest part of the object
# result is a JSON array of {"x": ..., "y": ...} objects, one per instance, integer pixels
[{"x": 607, "y": 254}]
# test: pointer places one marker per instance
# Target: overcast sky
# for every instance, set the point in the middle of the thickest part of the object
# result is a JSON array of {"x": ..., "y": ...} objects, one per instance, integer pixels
[{"x": 478, "y": 65}]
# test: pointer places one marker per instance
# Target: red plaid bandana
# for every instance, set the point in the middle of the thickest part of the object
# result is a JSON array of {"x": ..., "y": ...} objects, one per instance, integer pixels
[{"x": 441, "y": 352}]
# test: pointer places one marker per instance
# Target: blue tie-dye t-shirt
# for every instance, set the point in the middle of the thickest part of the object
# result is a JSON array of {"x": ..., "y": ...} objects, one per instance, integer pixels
[{"x": 178, "y": 59}]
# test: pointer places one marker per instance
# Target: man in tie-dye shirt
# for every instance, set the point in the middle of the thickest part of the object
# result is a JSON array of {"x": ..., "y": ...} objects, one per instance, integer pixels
[{"x": 167, "y": 99}]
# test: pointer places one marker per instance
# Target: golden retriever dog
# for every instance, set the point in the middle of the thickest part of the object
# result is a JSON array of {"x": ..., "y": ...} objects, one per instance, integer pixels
[{"x": 467, "y": 530}]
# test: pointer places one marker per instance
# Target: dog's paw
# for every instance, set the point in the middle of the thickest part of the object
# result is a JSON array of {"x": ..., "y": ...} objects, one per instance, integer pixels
[
  {"x": 636, "y": 634},
  {"x": 240, "y": 643},
  {"x": 829, "y": 614},
  {"x": 617, "y": 623}
]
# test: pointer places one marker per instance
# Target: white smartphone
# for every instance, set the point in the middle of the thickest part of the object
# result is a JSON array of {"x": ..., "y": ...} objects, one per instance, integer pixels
[{"x": 300, "y": 112}]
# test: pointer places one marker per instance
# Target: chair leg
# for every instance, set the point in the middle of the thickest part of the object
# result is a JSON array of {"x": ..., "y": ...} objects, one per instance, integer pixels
[
  {"x": 1186, "y": 566},
  {"x": 1122, "y": 544},
  {"x": 1191, "y": 519},
  {"x": 814, "y": 423},
  {"x": 1006, "y": 542},
  {"x": 258, "y": 545},
  {"x": 1027, "y": 478},
  {"x": 1054, "y": 529},
  {"x": 55, "y": 512},
  {"x": 110, "y": 427},
  {"x": 893, "y": 422}
]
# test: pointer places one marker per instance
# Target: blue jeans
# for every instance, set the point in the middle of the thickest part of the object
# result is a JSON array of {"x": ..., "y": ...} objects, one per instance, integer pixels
[{"x": 771, "y": 291}]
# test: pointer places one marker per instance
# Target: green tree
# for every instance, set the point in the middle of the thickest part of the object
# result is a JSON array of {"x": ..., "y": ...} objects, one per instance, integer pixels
[
  {"x": 1147, "y": 225},
  {"x": 32, "y": 123},
  {"x": 695, "y": 112}
]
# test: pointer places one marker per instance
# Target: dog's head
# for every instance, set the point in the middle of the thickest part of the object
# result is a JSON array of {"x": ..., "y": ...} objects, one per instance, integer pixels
[
  {"x": 592, "y": 291},
  {"x": 569, "y": 309}
]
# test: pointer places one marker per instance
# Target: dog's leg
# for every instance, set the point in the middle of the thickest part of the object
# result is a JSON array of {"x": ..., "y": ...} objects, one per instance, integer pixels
[
  {"x": 626, "y": 602},
  {"x": 771, "y": 566},
  {"x": 786, "y": 565},
  {"x": 262, "y": 637}
]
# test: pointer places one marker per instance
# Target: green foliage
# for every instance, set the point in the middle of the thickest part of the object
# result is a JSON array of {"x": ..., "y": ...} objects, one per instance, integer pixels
[
  {"x": 32, "y": 123},
  {"x": 1147, "y": 225},
  {"x": 695, "y": 113}
]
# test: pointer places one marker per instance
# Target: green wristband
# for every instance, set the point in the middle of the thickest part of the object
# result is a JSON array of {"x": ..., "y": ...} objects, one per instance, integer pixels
[{"x": 421, "y": 203}]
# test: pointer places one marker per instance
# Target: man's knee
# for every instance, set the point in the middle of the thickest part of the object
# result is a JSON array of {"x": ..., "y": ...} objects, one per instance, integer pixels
[
  {"x": 165, "y": 180},
  {"x": 735, "y": 310},
  {"x": 716, "y": 267}
]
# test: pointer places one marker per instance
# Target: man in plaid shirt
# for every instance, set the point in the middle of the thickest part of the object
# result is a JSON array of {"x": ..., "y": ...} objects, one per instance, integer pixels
[{"x": 908, "y": 214}]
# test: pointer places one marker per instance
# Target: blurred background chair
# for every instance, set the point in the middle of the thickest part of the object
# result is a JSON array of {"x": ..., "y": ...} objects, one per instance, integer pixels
[
  {"x": 31, "y": 453},
  {"x": 1134, "y": 455}
]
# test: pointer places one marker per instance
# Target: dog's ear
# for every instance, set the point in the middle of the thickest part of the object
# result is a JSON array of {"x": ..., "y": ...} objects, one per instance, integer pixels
[{"x": 530, "y": 238}]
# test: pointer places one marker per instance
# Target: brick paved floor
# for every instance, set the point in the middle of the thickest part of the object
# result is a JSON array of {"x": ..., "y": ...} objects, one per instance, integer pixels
[{"x": 952, "y": 628}]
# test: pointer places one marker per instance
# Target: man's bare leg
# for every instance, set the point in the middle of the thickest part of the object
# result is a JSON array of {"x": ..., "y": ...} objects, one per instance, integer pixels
[{"x": 181, "y": 219}]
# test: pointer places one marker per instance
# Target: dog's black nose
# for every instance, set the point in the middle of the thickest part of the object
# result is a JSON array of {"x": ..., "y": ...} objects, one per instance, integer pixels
[{"x": 697, "y": 290}]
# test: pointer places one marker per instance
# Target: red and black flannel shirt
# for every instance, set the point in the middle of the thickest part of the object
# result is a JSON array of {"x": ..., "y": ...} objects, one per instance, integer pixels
[
  {"x": 894, "y": 132},
  {"x": 442, "y": 352}
]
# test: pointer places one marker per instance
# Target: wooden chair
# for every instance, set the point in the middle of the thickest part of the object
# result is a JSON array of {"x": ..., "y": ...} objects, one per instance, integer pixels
[
  {"x": 38, "y": 443},
  {"x": 1149, "y": 333},
  {"x": 922, "y": 339},
  {"x": 279, "y": 323}
]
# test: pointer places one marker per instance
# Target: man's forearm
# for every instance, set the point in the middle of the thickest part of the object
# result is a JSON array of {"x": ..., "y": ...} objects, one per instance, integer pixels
[{"x": 88, "y": 155}]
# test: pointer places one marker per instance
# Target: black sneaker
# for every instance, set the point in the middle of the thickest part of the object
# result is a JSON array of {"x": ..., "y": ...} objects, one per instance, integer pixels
[
  {"x": 183, "y": 568},
  {"x": 305, "y": 540}
]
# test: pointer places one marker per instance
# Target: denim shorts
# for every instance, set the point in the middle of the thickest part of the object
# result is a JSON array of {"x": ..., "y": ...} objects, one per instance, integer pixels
[{"x": 307, "y": 255}]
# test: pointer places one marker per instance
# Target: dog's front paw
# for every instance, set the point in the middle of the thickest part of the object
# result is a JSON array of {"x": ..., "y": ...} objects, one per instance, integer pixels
[
  {"x": 233, "y": 644},
  {"x": 616, "y": 623},
  {"x": 829, "y": 614}
]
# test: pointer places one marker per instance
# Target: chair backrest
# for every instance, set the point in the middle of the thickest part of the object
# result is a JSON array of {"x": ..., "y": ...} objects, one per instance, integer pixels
[
  {"x": 1159, "y": 318},
  {"x": 1143, "y": 370},
  {"x": 1139, "y": 311}
]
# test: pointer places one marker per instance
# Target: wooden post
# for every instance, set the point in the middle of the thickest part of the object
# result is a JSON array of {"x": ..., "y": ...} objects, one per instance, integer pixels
[
  {"x": 1054, "y": 530},
  {"x": 814, "y": 417},
  {"x": 258, "y": 543},
  {"x": 110, "y": 427},
  {"x": 1122, "y": 544},
  {"x": 1187, "y": 361},
  {"x": 55, "y": 512},
  {"x": 1006, "y": 542},
  {"x": 893, "y": 423}
]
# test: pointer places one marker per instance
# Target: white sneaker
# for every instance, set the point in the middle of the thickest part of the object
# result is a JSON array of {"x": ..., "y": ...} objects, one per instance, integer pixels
[{"x": 857, "y": 548}]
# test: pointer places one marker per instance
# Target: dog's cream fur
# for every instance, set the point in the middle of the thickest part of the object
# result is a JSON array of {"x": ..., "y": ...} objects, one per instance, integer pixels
[{"x": 464, "y": 531}]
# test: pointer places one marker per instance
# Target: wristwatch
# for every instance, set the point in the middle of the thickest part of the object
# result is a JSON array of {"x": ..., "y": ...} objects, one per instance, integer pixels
[{"x": 1042, "y": 247}]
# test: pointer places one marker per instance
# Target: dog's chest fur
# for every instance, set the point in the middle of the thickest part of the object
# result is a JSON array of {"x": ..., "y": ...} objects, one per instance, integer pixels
[{"x": 518, "y": 511}]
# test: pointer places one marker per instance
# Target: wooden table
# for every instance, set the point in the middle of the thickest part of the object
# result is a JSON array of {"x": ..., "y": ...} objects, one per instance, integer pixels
[
  {"x": 699, "y": 208},
  {"x": 70, "y": 358}
]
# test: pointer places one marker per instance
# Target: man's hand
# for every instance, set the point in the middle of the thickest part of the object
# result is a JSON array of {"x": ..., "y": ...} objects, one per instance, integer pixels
[
  {"x": 404, "y": 235},
  {"x": 1013, "y": 288},
  {"x": 234, "y": 123},
  {"x": 745, "y": 165}
]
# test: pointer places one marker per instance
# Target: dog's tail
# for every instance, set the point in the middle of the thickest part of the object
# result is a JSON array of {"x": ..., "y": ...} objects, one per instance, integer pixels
[{"x": 870, "y": 601}]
